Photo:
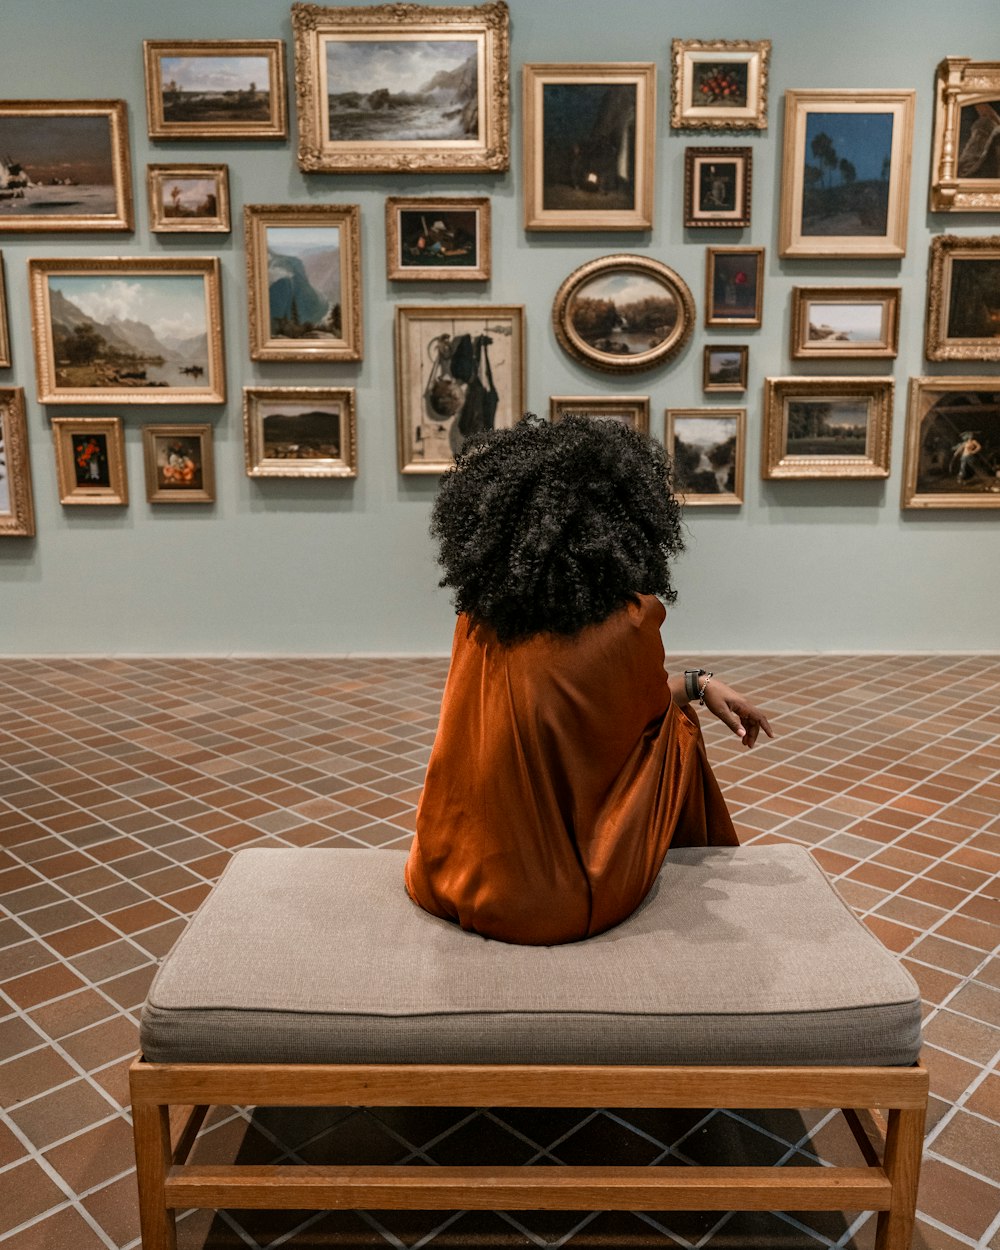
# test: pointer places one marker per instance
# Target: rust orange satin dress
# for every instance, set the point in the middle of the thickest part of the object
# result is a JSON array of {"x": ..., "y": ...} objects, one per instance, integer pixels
[{"x": 560, "y": 774}]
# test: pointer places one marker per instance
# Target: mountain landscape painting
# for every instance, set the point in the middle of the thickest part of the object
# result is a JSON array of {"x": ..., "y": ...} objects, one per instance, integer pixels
[
  {"x": 304, "y": 282},
  {"x": 402, "y": 90}
]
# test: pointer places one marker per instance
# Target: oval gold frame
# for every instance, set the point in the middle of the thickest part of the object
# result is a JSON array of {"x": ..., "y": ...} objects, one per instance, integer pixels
[{"x": 612, "y": 362}]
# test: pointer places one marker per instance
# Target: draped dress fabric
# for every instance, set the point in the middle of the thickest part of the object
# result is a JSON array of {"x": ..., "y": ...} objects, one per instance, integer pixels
[{"x": 560, "y": 774}]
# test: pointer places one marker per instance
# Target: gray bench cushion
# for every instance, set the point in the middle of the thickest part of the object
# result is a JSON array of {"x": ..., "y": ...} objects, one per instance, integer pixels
[{"x": 737, "y": 955}]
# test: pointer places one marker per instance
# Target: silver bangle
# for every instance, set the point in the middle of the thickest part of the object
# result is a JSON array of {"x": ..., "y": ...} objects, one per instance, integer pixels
[{"x": 701, "y": 692}]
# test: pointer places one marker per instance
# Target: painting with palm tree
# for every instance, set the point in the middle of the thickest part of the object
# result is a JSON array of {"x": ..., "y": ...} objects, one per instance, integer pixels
[{"x": 848, "y": 160}]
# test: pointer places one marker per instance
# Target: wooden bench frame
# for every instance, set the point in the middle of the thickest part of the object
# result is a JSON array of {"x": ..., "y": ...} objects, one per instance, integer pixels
[{"x": 886, "y": 1184}]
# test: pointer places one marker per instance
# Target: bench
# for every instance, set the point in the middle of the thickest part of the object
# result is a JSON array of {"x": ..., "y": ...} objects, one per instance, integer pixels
[{"x": 309, "y": 979}]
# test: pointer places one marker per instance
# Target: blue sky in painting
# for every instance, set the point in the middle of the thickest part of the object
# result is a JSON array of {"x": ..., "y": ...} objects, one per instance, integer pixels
[{"x": 865, "y": 139}]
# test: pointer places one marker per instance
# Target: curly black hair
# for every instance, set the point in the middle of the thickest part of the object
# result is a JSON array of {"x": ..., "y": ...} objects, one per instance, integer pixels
[{"x": 551, "y": 527}]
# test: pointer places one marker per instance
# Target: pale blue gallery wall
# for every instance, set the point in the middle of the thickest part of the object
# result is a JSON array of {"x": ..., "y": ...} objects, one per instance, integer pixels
[{"x": 327, "y": 566}]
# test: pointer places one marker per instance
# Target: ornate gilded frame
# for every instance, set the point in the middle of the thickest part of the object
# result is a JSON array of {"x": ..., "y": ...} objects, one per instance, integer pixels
[
  {"x": 720, "y": 498},
  {"x": 120, "y": 216},
  {"x": 688, "y": 54},
  {"x": 778, "y": 462},
  {"x": 609, "y": 359},
  {"x": 883, "y": 346},
  {"x": 396, "y": 268},
  {"x": 938, "y": 452},
  {"x": 630, "y": 410},
  {"x": 748, "y": 315},
  {"x": 5, "y": 360},
  {"x": 115, "y": 491},
  {"x": 317, "y": 28},
  {"x": 940, "y": 342},
  {"x": 962, "y": 83},
  {"x": 739, "y": 383},
  {"x": 535, "y": 78},
  {"x": 17, "y": 517},
  {"x": 160, "y": 492},
  {"x": 115, "y": 386},
  {"x": 345, "y": 220},
  {"x": 260, "y": 464},
  {"x": 273, "y": 126},
  {"x": 699, "y": 214},
  {"x": 897, "y": 104},
  {"x": 157, "y": 178}
]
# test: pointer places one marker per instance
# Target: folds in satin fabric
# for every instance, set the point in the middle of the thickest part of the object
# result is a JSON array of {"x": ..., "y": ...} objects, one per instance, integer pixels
[{"x": 560, "y": 775}]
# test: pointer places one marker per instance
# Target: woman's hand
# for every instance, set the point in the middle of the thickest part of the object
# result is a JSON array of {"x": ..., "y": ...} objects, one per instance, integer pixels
[{"x": 737, "y": 713}]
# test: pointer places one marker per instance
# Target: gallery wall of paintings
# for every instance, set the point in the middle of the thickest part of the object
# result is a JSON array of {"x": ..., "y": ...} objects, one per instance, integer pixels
[{"x": 263, "y": 273}]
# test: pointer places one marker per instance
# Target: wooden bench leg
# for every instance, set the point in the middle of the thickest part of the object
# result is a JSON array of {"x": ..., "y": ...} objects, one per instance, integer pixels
[
  {"x": 904, "y": 1143},
  {"x": 153, "y": 1157}
]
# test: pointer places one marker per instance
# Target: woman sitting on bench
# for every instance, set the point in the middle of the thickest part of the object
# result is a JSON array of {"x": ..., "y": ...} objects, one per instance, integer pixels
[{"x": 566, "y": 760}]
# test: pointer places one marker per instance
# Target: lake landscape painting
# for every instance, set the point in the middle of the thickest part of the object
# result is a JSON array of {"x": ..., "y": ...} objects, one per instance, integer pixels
[
  {"x": 300, "y": 432},
  {"x": 206, "y": 88}
]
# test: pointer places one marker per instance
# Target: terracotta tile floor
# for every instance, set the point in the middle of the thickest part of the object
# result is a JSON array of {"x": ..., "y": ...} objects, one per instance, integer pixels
[{"x": 125, "y": 785}]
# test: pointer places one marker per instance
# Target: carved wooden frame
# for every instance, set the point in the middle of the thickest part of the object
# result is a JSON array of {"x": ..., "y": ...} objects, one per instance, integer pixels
[
  {"x": 939, "y": 344},
  {"x": 961, "y": 83},
  {"x": 17, "y": 520},
  {"x": 776, "y": 462}
]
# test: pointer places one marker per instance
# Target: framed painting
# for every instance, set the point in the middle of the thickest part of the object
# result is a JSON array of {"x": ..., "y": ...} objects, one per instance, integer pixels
[
  {"x": 90, "y": 460},
  {"x": 845, "y": 176},
  {"x": 952, "y": 457},
  {"x": 589, "y": 140},
  {"x": 724, "y": 368},
  {"x": 965, "y": 162},
  {"x": 179, "y": 463},
  {"x": 963, "y": 298},
  {"x": 623, "y": 313},
  {"x": 826, "y": 427},
  {"x": 717, "y": 185},
  {"x": 139, "y": 330},
  {"x": 734, "y": 286},
  {"x": 630, "y": 410},
  {"x": 17, "y": 513},
  {"x": 844, "y": 322},
  {"x": 4, "y": 331},
  {"x": 440, "y": 240},
  {"x": 459, "y": 372},
  {"x": 402, "y": 87},
  {"x": 708, "y": 450},
  {"x": 64, "y": 165},
  {"x": 300, "y": 431},
  {"x": 719, "y": 84},
  {"x": 215, "y": 88},
  {"x": 304, "y": 281},
  {"x": 188, "y": 199}
]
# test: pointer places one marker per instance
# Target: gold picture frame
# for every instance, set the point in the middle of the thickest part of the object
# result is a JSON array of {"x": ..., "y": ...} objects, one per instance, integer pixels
[
  {"x": 17, "y": 511},
  {"x": 338, "y": 55},
  {"x": 860, "y": 141},
  {"x": 724, "y": 367},
  {"x": 188, "y": 199},
  {"x": 304, "y": 281},
  {"x": 826, "y": 427},
  {"x": 965, "y": 160},
  {"x": 459, "y": 371},
  {"x": 589, "y": 144},
  {"x": 734, "y": 286},
  {"x": 437, "y": 238},
  {"x": 205, "y": 70},
  {"x": 844, "y": 322},
  {"x": 179, "y": 463},
  {"x": 719, "y": 84},
  {"x": 963, "y": 298},
  {"x": 595, "y": 326},
  {"x": 125, "y": 329},
  {"x": 300, "y": 431},
  {"x": 5, "y": 361},
  {"x": 65, "y": 165},
  {"x": 717, "y": 187},
  {"x": 630, "y": 410},
  {"x": 708, "y": 449},
  {"x": 952, "y": 456},
  {"x": 90, "y": 460}
]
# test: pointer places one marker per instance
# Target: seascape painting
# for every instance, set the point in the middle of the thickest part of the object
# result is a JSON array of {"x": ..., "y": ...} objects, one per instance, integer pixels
[
  {"x": 384, "y": 90},
  {"x": 958, "y": 448},
  {"x": 205, "y": 90},
  {"x": 827, "y": 427},
  {"x": 845, "y": 323},
  {"x": 128, "y": 331},
  {"x": 304, "y": 282},
  {"x": 705, "y": 453},
  {"x": 623, "y": 313},
  {"x": 847, "y": 165},
  {"x": 589, "y": 145},
  {"x": 56, "y": 166}
]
